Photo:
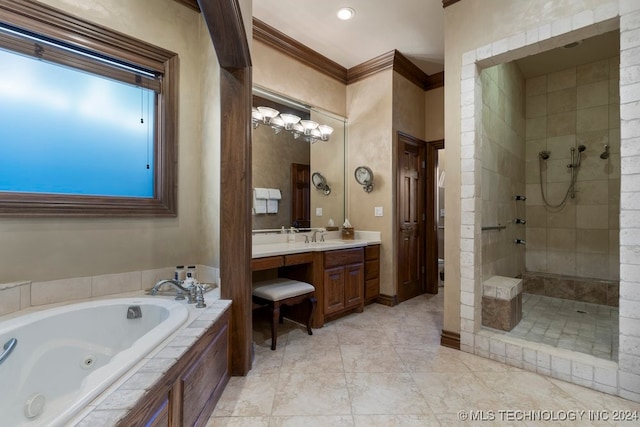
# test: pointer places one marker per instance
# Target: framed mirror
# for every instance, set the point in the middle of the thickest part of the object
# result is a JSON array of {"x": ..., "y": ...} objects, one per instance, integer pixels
[{"x": 283, "y": 161}]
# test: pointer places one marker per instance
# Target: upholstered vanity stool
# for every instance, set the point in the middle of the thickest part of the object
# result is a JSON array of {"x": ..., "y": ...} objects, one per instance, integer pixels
[{"x": 282, "y": 291}]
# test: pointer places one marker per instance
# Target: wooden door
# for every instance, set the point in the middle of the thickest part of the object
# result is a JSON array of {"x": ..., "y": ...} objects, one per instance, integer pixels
[
  {"x": 300, "y": 195},
  {"x": 333, "y": 290},
  {"x": 353, "y": 285},
  {"x": 411, "y": 266}
]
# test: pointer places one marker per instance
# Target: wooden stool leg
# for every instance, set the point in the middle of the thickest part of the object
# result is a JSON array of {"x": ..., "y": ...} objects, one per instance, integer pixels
[
  {"x": 312, "y": 309},
  {"x": 275, "y": 317}
]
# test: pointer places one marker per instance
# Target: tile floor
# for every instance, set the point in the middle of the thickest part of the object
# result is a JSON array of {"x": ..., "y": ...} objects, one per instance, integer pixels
[
  {"x": 385, "y": 367},
  {"x": 578, "y": 326}
]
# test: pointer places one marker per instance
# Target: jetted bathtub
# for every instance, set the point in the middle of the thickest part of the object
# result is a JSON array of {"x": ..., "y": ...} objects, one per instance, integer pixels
[{"x": 63, "y": 357}]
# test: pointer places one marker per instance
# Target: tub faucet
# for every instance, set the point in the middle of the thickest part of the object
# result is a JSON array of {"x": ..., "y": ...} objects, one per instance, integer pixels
[{"x": 180, "y": 290}]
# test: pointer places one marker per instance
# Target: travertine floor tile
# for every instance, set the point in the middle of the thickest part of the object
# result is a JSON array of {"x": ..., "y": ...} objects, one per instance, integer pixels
[{"x": 386, "y": 367}]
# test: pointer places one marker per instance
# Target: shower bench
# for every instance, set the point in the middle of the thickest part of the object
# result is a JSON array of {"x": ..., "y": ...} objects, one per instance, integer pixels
[{"x": 501, "y": 302}]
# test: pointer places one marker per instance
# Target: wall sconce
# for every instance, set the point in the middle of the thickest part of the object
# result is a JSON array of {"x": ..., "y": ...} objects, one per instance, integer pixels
[
  {"x": 364, "y": 177},
  {"x": 320, "y": 183},
  {"x": 308, "y": 129}
]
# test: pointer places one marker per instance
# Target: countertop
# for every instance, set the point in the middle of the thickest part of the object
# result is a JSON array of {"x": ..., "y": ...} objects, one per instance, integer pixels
[{"x": 276, "y": 244}]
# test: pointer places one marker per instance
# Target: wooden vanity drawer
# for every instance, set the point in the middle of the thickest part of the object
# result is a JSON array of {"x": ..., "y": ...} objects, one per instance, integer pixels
[
  {"x": 295, "y": 259},
  {"x": 372, "y": 252},
  {"x": 267, "y": 263},
  {"x": 371, "y": 269},
  {"x": 343, "y": 257}
]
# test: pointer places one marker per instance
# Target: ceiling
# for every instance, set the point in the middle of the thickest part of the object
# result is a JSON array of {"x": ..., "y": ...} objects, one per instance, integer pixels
[{"x": 413, "y": 27}]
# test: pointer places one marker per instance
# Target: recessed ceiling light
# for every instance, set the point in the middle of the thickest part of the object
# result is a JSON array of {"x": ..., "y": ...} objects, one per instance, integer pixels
[{"x": 346, "y": 13}]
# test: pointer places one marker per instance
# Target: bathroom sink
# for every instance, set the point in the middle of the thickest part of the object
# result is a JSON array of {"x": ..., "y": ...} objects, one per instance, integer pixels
[{"x": 328, "y": 243}]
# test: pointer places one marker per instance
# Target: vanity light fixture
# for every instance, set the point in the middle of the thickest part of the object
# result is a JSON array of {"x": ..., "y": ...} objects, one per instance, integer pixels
[
  {"x": 312, "y": 131},
  {"x": 346, "y": 13}
]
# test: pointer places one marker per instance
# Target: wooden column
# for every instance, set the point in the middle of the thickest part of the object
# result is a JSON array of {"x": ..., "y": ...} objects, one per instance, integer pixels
[{"x": 226, "y": 27}]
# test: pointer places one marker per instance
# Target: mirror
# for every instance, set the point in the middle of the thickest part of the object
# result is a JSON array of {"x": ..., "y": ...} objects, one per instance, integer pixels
[{"x": 284, "y": 162}]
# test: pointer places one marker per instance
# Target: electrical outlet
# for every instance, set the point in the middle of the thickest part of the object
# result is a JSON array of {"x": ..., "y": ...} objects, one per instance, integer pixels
[
  {"x": 378, "y": 211},
  {"x": 318, "y": 211}
]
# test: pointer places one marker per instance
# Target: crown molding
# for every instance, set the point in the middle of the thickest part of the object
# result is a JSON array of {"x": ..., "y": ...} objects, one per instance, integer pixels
[
  {"x": 393, "y": 59},
  {"x": 193, "y": 4},
  {"x": 446, "y": 3},
  {"x": 296, "y": 50},
  {"x": 285, "y": 44}
]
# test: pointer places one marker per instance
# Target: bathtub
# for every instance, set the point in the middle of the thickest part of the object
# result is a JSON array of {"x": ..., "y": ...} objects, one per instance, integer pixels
[{"x": 66, "y": 356}]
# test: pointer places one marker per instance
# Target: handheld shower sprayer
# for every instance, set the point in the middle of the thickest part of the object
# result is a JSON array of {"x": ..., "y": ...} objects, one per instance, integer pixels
[{"x": 605, "y": 153}]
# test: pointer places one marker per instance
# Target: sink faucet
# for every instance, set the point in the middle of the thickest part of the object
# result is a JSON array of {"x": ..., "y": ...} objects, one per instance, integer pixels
[
  {"x": 175, "y": 283},
  {"x": 313, "y": 235}
]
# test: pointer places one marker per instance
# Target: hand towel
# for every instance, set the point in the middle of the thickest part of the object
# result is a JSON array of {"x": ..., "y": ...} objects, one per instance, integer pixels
[{"x": 259, "y": 203}]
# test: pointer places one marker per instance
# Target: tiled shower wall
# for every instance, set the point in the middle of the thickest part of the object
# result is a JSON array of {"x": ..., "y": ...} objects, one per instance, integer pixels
[
  {"x": 503, "y": 157},
  {"x": 564, "y": 109}
]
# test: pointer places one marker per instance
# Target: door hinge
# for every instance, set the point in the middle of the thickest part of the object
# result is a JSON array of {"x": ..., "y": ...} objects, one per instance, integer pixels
[{"x": 424, "y": 164}]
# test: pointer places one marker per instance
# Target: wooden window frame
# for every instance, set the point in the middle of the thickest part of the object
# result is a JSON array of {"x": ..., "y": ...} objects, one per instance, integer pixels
[{"x": 59, "y": 25}]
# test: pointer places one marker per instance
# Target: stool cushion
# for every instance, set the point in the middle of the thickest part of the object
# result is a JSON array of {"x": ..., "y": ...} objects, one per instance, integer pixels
[{"x": 281, "y": 288}]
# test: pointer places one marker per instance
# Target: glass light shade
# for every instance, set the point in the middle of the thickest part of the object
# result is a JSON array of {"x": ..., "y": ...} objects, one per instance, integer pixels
[
  {"x": 308, "y": 125},
  {"x": 297, "y": 130},
  {"x": 277, "y": 124},
  {"x": 256, "y": 117},
  {"x": 325, "y": 131},
  {"x": 289, "y": 120},
  {"x": 268, "y": 113},
  {"x": 315, "y": 135}
]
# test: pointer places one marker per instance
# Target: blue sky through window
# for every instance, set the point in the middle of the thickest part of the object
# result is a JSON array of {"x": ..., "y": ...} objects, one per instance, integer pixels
[{"x": 68, "y": 132}]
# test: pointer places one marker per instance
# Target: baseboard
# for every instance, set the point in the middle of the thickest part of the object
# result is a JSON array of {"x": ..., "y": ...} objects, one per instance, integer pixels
[
  {"x": 450, "y": 339},
  {"x": 388, "y": 300}
]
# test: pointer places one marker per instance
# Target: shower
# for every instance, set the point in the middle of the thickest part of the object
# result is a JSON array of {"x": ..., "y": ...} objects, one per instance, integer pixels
[{"x": 573, "y": 167}]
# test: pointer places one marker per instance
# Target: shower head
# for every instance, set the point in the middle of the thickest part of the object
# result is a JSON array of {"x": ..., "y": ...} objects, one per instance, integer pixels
[
  {"x": 581, "y": 148},
  {"x": 544, "y": 155},
  {"x": 605, "y": 153}
]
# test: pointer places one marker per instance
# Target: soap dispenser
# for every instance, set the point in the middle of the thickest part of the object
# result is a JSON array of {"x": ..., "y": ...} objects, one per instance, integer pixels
[{"x": 291, "y": 236}]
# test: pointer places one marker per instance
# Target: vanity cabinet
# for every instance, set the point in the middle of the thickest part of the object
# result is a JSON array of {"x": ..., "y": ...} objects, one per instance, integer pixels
[
  {"x": 343, "y": 282},
  {"x": 371, "y": 273},
  {"x": 188, "y": 392}
]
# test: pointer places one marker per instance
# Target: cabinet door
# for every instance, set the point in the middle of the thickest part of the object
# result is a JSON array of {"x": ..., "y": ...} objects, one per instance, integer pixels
[
  {"x": 333, "y": 290},
  {"x": 353, "y": 285}
]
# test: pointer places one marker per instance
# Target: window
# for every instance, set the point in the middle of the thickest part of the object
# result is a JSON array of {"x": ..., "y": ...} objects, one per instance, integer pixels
[{"x": 87, "y": 129}]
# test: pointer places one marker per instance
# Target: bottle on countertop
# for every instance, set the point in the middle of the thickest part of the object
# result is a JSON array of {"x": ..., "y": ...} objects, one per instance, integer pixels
[
  {"x": 192, "y": 269},
  {"x": 189, "y": 281},
  {"x": 180, "y": 273}
]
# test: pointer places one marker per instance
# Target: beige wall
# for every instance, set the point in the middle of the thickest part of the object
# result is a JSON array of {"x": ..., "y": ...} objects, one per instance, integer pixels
[
  {"x": 286, "y": 76},
  {"x": 434, "y": 115},
  {"x": 484, "y": 23},
  {"x": 210, "y": 172},
  {"x": 503, "y": 152},
  {"x": 370, "y": 112},
  {"x": 52, "y": 248},
  {"x": 578, "y": 105}
]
